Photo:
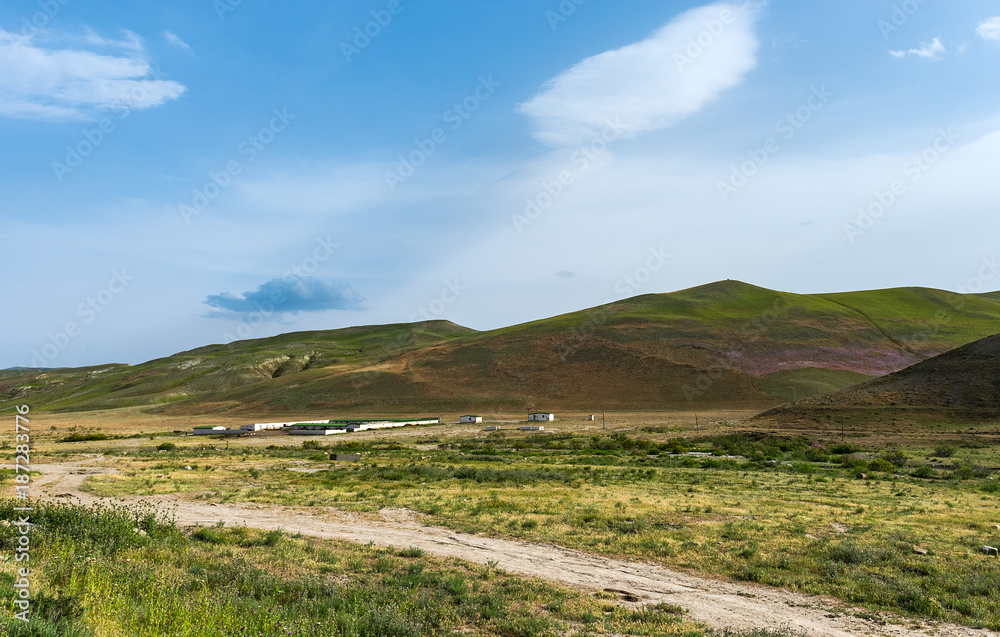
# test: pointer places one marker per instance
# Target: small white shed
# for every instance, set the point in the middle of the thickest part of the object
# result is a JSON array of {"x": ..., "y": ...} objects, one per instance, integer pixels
[
  {"x": 541, "y": 417},
  {"x": 471, "y": 419}
]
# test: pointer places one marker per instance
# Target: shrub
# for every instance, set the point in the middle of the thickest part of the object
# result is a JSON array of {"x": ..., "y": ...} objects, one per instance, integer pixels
[
  {"x": 896, "y": 457},
  {"x": 80, "y": 437},
  {"x": 411, "y": 551},
  {"x": 853, "y": 461},
  {"x": 849, "y": 552},
  {"x": 166, "y": 446},
  {"x": 945, "y": 450},
  {"x": 845, "y": 448},
  {"x": 817, "y": 455},
  {"x": 883, "y": 465},
  {"x": 677, "y": 446},
  {"x": 968, "y": 471}
]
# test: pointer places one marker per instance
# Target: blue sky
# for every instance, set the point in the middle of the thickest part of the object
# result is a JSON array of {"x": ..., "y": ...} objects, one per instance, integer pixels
[{"x": 202, "y": 171}]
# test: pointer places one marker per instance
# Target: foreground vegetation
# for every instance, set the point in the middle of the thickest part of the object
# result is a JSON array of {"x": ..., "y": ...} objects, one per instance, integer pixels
[
  {"x": 110, "y": 571},
  {"x": 784, "y": 512}
]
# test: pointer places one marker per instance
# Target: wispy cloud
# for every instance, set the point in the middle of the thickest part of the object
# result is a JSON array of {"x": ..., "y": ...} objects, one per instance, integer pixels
[
  {"x": 651, "y": 84},
  {"x": 989, "y": 29},
  {"x": 59, "y": 79},
  {"x": 175, "y": 40},
  {"x": 287, "y": 295},
  {"x": 931, "y": 51}
]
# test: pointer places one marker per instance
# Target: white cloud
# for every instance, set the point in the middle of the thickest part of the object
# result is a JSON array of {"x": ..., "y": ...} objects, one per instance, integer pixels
[
  {"x": 931, "y": 51},
  {"x": 41, "y": 81},
  {"x": 176, "y": 40},
  {"x": 989, "y": 29},
  {"x": 651, "y": 84}
]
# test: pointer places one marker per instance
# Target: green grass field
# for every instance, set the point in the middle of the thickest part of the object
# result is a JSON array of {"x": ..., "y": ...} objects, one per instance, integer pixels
[
  {"x": 110, "y": 571},
  {"x": 787, "y": 512}
]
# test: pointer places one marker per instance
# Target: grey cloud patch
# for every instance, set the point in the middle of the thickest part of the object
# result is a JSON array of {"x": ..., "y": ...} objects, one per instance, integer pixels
[
  {"x": 566, "y": 274},
  {"x": 287, "y": 295}
]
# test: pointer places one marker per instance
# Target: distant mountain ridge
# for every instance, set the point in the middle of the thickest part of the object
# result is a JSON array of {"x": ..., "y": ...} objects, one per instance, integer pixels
[{"x": 725, "y": 344}]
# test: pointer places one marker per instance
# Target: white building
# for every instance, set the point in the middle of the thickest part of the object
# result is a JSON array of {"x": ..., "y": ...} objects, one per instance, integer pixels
[
  {"x": 471, "y": 419},
  {"x": 541, "y": 417},
  {"x": 265, "y": 426},
  {"x": 208, "y": 430}
]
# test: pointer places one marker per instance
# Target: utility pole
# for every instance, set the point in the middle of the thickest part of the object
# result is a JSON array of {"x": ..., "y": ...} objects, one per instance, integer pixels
[
  {"x": 604, "y": 419},
  {"x": 697, "y": 427}
]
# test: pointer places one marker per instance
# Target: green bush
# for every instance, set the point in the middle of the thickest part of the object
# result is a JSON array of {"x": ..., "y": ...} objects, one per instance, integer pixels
[
  {"x": 82, "y": 437},
  {"x": 676, "y": 446},
  {"x": 882, "y": 465},
  {"x": 166, "y": 446},
  {"x": 845, "y": 448},
  {"x": 853, "y": 461},
  {"x": 945, "y": 450}
]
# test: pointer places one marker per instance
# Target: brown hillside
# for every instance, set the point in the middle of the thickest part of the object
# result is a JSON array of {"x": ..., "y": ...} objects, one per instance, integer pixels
[{"x": 962, "y": 383}]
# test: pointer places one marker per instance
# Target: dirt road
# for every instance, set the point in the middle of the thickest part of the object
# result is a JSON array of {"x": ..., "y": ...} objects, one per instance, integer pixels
[{"x": 717, "y": 603}]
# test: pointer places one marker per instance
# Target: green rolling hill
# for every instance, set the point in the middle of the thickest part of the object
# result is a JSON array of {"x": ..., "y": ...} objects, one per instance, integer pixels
[{"x": 722, "y": 345}]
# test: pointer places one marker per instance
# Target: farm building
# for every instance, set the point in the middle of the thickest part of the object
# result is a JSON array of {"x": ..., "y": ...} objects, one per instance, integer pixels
[
  {"x": 316, "y": 429},
  {"x": 529, "y": 428},
  {"x": 332, "y": 427},
  {"x": 541, "y": 417},
  {"x": 208, "y": 430},
  {"x": 265, "y": 426},
  {"x": 471, "y": 419}
]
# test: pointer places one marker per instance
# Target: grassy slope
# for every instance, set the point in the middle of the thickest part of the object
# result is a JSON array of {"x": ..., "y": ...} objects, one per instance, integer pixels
[
  {"x": 727, "y": 344},
  {"x": 724, "y": 344},
  {"x": 963, "y": 383},
  {"x": 208, "y": 371}
]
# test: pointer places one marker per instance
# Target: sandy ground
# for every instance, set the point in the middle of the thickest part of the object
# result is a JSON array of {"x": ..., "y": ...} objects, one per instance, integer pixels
[{"x": 717, "y": 603}]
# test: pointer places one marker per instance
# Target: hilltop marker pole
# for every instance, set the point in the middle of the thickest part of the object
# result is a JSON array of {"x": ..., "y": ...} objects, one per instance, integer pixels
[
  {"x": 604, "y": 419},
  {"x": 697, "y": 427}
]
